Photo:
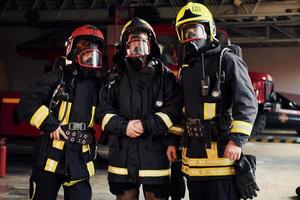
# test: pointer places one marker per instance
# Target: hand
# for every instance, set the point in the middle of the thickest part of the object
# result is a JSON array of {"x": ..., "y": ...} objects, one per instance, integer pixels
[
  {"x": 56, "y": 134},
  {"x": 139, "y": 125},
  {"x": 171, "y": 153},
  {"x": 232, "y": 151},
  {"x": 133, "y": 131}
]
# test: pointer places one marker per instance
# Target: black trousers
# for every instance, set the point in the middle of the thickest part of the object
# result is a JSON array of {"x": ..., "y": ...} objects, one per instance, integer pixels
[
  {"x": 45, "y": 186},
  {"x": 159, "y": 191},
  {"x": 223, "y": 189}
]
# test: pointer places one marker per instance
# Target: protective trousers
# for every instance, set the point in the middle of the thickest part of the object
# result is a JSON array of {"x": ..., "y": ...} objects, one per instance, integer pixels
[
  {"x": 129, "y": 191},
  {"x": 45, "y": 185},
  {"x": 222, "y": 189}
]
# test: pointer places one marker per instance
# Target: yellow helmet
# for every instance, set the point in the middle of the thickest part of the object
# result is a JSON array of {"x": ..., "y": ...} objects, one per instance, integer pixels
[{"x": 195, "y": 12}]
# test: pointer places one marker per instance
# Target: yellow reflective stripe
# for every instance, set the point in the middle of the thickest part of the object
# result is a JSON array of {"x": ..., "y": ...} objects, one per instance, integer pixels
[
  {"x": 205, "y": 162},
  {"x": 213, "y": 152},
  {"x": 176, "y": 130},
  {"x": 142, "y": 173},
  {"x": 154, "y": 173},
  {"x": 63, "y": 111},
  {"x": 184, "y": 65},
  {"x": 90, "y": 168},
  {"x": 39, "y": 116},
  {"x": 51, "y": 165},
  {"x": 106, "y": 119},
  {"x": 165, "y": 118},
  {"x": 58, "y": 144},
  {"x": 34, "y": 190},
  {"x": 72, "y": 182},
  {"x": 211, "y": 171},
  {"x": 209, "y": 111},
  {"x": 85, "y": 148},
  {"x": 10, "y": 100},
  {"x": 241, "y": 127},
  {"x": 117, "y": 170},
  {"x": 92, "y": 121}
]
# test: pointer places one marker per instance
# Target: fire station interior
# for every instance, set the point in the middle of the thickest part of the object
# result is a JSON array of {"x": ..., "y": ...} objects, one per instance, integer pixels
[{"x": 33, "y": 34}]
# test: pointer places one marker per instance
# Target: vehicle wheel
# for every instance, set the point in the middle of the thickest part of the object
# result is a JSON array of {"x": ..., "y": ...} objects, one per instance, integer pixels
[{"x": 259, "y": 124}]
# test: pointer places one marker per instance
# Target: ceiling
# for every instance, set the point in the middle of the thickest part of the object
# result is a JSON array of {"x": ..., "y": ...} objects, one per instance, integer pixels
[{"x": 248, "y": 22}]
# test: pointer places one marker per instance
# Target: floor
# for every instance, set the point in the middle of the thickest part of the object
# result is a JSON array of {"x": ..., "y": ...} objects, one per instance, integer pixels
[{"x": 278, "y": 173}]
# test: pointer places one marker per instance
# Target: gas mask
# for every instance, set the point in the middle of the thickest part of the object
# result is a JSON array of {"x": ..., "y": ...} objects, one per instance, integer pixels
[
  {"x": 137, "y": 50},
  {"x": 194, "y": 38},
  {"x": 89, "y": 57}
]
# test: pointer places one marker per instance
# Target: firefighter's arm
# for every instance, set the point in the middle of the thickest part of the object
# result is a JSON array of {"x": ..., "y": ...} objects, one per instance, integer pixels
[
  {"x": 164, "y": 118},
  {"x": 244, "y": 103},
  {"x": 106, "y": 112},
  {"x": 33, "y": 106}
]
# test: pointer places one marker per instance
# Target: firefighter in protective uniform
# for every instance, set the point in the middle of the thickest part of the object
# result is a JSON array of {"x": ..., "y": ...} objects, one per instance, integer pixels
[
  {"x": 219, "y": 105},
  {"x": 62, "y": 106},
  {"x": 137, "y": 106}
]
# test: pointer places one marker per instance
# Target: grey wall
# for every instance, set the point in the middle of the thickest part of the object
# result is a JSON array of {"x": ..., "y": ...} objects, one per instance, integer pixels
[
  {"x": 17, "y": 72},
  {"x": 282, "y": 63}
]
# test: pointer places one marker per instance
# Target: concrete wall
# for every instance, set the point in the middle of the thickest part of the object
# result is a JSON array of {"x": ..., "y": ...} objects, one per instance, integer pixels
[
  {"x": 17, "y": 72},
  {"x": 282, "y": 63}
]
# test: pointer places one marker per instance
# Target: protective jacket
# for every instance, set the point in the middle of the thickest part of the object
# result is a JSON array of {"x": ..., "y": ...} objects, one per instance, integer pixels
[
  {"x": 213, "y": 121},
  {"x": 73, "y": 109},
  {"x": 151, "y": 95}
]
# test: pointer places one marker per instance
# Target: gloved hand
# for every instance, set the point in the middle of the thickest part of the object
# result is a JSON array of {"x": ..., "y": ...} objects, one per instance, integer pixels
[{"x": 245, "y": 177}]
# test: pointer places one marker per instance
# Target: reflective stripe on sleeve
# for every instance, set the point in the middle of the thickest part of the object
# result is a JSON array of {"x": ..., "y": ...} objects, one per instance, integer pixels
[
  {"x": 166, "y": 119},
  {"x": 39, "y": 116},
  {"x": 241, "y": 127},
  {"x": 106, "y": 119}
]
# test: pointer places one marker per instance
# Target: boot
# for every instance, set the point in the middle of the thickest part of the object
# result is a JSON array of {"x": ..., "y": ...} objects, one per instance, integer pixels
[
  {"x": 150, "y": 196},
  {"x": 298, "y": 191},
  {"x": 132, "y": 194}
]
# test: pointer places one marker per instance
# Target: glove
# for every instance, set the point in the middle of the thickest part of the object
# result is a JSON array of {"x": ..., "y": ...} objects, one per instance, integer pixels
[{"x": 245, "y": 177}]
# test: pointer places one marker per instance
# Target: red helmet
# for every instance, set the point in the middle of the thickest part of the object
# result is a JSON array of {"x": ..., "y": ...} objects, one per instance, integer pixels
[{"x": 88, "y": 33}]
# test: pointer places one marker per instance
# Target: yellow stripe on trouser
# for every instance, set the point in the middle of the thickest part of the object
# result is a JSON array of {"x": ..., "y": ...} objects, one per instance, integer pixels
[
  {"x": 212, "y": 160},
  {"x": 211, "y": 171},
  {"x": 51, "y": 165},
  {"x": 92, "y": 121},
  {"x": 142, "y": 173},
  {"x": 39, "y": 116},
  {"x": 91, "y": 168},
  {"x": 241, "y": 127},
  {"x": 64, "y": 112},
  {"x": 58, "y": 144},
  {"x": 106, "y": 119},
  {"x": 68, "y": 184},
  {"x": 165, "y": 118},
  {"x": 85, "y": 148},
  {"x": 34, "y": 190}
]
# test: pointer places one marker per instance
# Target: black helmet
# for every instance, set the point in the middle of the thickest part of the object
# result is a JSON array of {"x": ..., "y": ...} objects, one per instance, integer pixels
[{"x": 137, "y": 25}]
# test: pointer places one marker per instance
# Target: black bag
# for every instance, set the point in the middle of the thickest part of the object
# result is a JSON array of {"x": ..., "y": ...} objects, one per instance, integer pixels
[{"x": 245, "y": 176}]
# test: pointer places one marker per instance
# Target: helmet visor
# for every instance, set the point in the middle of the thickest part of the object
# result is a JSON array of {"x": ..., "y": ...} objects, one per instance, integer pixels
[
  {"x": 191, "y": 32},
  {"x": 90, "y": 58},
  {"x": 137, "y": 45}
]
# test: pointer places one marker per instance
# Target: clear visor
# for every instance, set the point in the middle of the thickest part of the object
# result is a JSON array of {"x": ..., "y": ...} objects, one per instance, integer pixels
[
  {"x": 137, "y": 45},
  {"x": 190, "y": 32},
  {"x": 91, "y": 58}
]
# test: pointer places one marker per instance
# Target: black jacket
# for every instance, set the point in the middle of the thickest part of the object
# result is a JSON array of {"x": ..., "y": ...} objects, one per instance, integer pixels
[
  {"x": 134, "y": 95},
  {"x": 229, "y": 117},
  {"x": 79, "y": 107}
]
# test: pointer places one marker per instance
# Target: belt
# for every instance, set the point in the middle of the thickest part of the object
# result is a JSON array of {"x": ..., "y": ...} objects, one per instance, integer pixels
[
  {"x": 194, "y": 128},
  {"x": 78, "y": 133}
]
